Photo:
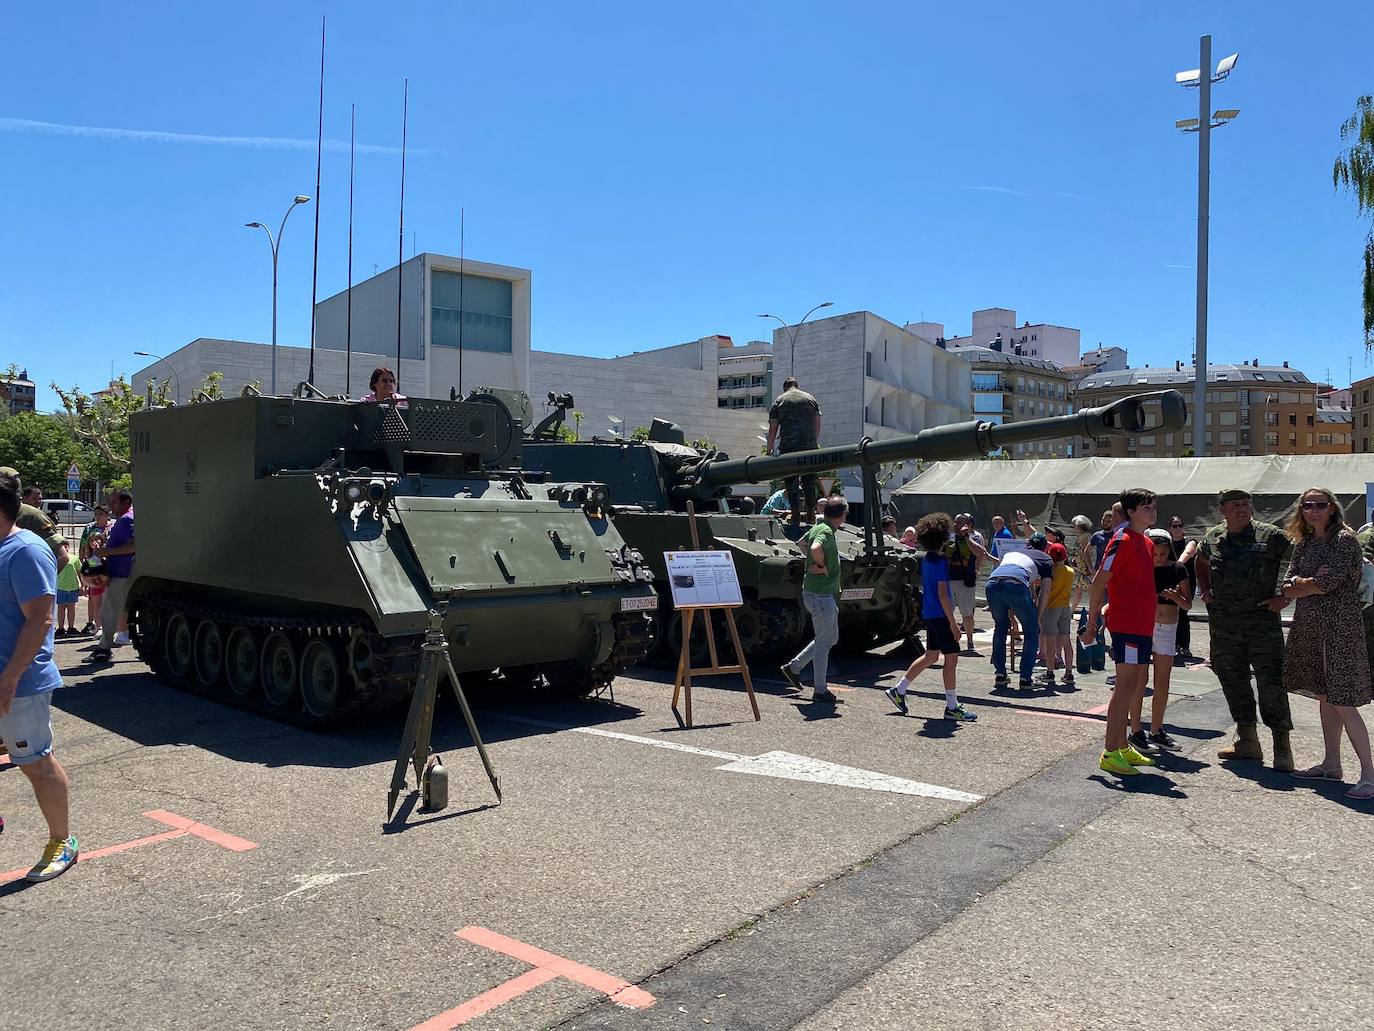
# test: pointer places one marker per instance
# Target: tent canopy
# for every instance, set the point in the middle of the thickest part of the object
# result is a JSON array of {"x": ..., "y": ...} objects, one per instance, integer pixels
[{"x": 1053, "y": 491}]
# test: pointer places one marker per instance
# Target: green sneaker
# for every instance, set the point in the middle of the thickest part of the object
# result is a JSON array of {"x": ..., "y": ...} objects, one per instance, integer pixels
[
  {"x": 1115, "y": 762},
  {"x": 1135, "y": 758},
  {"x": 56, "y": 858},
  {"x": 960, "y": 715}
]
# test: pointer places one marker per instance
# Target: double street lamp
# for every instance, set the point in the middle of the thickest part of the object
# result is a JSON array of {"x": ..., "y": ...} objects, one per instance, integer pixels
[
  {"x": 275, "y": 243},
  {"x": 1201, "y": 79},
  {"x": 792, "y": 330}
]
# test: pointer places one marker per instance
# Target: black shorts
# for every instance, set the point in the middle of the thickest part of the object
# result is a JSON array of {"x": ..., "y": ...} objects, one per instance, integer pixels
[
  {"x": 939, "y": 637},
  {"x": 1132, "y": 649}
]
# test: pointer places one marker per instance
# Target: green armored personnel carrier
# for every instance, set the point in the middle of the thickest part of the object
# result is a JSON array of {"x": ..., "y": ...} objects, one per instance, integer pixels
[
  {"x": 290, "y": 550},
  {"x": 650, "y": 483}
]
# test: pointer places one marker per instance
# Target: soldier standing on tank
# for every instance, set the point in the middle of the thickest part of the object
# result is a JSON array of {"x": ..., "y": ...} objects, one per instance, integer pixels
[
  {"x": 1240, "y": 566},
  {"x": 796, "y": 418}
]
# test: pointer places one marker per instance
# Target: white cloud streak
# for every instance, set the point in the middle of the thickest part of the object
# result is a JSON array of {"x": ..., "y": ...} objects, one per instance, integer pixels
[
  {"x": 1008, "y": 191},
  {"x": 28, "y": 125},
  {"x": 1183, "y": 268}
]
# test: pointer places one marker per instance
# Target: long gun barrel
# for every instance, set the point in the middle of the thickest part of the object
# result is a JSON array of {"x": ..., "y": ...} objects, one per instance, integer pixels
[{"x": 964, "y": 440}]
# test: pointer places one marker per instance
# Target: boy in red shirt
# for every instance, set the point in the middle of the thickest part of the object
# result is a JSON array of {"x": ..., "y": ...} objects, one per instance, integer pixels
[{"x": 1127, "y": 577}]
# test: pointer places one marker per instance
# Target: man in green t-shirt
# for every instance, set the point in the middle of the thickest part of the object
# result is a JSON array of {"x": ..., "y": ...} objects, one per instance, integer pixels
[{"x": 821, "y": 596}]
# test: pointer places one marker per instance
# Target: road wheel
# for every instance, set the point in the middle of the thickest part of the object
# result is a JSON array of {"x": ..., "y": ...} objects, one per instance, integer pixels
[
  {"x": 278, "y": 668},
  {"x": 241, "y": 662},
  {"x": 209, "y": 653},
  {"x": 701, "y": 655},
  {"x": 322, "y": 678},
  {"x": 145, "y": 626},
  {"x": 177, "y": 648}
]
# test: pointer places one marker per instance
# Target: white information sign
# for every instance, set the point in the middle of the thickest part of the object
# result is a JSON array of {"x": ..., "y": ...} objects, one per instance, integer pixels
[
  {"x": 1006, "y": 545},
  {"x": 702, "y": 579}
]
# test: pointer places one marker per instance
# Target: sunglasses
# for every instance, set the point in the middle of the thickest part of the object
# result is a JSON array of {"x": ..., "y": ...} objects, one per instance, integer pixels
[
  {"x": 385, "y": 379},
  {"x": 1308, "y": 506}
]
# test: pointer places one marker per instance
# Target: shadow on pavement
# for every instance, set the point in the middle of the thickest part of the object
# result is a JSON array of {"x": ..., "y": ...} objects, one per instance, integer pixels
[
  {"x": 136, "y": 706},
  {"x": 1143, "y": 783},
  {"x": 1273, "y": 780}
]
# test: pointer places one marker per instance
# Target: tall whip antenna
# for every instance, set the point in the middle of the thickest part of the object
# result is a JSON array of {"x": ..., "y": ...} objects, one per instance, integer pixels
[
  {"x": 348, "y": 321},
  {"x": 319, "y": 153},
  {"x": 401, "y": 232},
  {"x": 462, "y": 241}
]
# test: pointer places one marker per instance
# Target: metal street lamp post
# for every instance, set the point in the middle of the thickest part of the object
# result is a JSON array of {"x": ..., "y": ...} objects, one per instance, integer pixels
[
  {"x": 275, "y": 243},
  {"x": 1201, "y": 79},
  {"x": 792, "y": 330},
  {"x": 176, "y": 383}
]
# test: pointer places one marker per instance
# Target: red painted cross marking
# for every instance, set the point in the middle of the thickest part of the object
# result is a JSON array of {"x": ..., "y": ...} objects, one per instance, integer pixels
[
  {"x": 546, "y": 967},
  {"x": 181, "y": 827}
]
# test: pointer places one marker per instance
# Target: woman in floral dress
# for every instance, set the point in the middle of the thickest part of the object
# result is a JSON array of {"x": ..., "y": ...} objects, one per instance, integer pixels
[{"x": 1326, "y": 656}]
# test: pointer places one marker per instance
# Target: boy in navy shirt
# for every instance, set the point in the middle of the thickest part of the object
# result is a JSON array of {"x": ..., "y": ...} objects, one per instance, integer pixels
[{"x": 937, "y": 609}]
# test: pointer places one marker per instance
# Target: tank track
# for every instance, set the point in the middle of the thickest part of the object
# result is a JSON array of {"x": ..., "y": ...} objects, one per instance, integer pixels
[
  {"x": 391, "y": 668},
  {"x": 633, "y": 636}
]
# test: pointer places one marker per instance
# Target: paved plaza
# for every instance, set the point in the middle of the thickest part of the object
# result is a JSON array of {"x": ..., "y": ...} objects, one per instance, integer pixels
[{"x": 845, "y": 868}]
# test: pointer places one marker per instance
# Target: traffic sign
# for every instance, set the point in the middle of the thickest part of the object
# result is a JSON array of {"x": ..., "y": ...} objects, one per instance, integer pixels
[
  {"x": 73, "y": 473},
  {"x": 73, "y": 485}
]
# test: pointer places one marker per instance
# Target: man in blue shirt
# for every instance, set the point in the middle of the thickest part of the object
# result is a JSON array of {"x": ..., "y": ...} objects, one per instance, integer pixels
[
  {"x": 777, "y": 504},
  {"x": 28, "y": 675}
]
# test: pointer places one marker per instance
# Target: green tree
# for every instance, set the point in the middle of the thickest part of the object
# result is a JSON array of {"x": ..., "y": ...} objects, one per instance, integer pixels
[
  {"x": 577, "y": 420},
  {"x": 1354, "y": 171},
  {"x": 40, "y": 447},
  {"x": 102, "y": 420},
  {"x": 640, "y": 433}
]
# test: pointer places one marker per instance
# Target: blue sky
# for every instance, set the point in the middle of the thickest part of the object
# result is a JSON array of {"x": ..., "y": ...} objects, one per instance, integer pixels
[{"x": 669, "y": 170}]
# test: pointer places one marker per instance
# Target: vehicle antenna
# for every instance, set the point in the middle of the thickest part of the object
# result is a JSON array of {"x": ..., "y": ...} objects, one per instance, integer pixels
[
  {"x": 401, "y": 232},
  {"x": 348, "y": 319},
  {"x": 319, "y": 154}
]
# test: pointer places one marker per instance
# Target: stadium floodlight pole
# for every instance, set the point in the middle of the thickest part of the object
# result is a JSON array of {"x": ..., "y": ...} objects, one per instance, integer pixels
[
  {"x": 176, "y": 382},
  {"x": 275, "y": 244},
  {"x": 1201, "y": 79},
  {"x": 792, "y": 330}
]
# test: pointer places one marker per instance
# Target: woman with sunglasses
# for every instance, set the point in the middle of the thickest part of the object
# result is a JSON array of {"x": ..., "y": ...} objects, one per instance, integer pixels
[
  {"x": 1326, "y": 657},
  {"x": 383, "y": 384}
]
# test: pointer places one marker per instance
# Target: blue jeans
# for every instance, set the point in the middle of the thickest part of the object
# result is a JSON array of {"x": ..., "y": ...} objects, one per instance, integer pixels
[{"x": 1005, "y": 598}]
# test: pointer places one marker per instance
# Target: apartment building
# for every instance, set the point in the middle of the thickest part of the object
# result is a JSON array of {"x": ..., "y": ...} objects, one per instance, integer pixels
[
  {"x": 1251, "y": 409},
  {"x": 1012, "y": 388}
]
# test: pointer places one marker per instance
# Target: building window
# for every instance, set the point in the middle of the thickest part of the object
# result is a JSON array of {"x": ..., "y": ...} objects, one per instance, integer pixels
[
  {"x": 1168, "y": 440},
  {"x": 1226, "y": 418},
  {"x": 1309, "y": 440},
  {"x": 1228, "y": 437},
  {"x": 1292, "y": 418},
  {"x": 1364, "y": 418},
  {"x": 868, "y": 363},
  {"x": 722, "y": 402},
  {"x": 1309, "y": 420},
  {"x": 987, "y": 381},
  {"x": 481, "y": 307},
  {"x": 1292, "y": 440},
  {"x": 1148, "y": 440},
  {"x": 1323, "y": 438},
  {"x": 988, "y": 403},
  {"x": 1271, "y": 418},
  {"x": 1271, "y": 440}
]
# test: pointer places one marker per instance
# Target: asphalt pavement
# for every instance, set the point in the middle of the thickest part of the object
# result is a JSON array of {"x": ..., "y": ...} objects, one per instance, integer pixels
[{"x": 819, "y": 868}]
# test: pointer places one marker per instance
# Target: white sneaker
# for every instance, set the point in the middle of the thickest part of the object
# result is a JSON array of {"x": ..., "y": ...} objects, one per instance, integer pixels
[{"x": 121, "y": 637}]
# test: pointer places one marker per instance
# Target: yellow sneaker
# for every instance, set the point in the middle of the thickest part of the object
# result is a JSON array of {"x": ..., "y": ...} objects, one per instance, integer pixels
[
  {"x": 1115, "y": 762},
  {"x": 1135, "y": 758},
  {"x": 57, "y": 857}
]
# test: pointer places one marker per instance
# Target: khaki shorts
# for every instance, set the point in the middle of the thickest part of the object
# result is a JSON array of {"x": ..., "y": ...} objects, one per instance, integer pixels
[{"x": 1057, "y": 622}]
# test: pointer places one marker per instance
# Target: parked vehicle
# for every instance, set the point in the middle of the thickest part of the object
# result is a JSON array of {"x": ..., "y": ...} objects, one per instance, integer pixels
[{"x": 64, "y": 510}]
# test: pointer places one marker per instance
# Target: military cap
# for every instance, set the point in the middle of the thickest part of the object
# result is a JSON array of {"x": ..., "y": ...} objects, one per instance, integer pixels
[
  {"x": 9, "y": 470},
  {"x": 1232, "y": 494}
]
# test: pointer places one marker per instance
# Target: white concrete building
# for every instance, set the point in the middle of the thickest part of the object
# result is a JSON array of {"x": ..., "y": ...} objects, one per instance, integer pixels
[
  {"x": 873, "y": 378},
  {"x": 1105, "y": 359},
  {"x": 1058, "y": 344},
  {"x": 494, "y": 301}
]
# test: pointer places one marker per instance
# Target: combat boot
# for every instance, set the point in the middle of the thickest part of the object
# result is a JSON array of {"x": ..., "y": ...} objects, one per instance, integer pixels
[
  {"x": 1246, "y": 746},
  {"x": 1283, "y": 752}
]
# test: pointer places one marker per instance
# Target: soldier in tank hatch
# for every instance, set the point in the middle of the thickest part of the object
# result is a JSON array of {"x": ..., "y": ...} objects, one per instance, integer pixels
[{"x": 794, "y": 424}]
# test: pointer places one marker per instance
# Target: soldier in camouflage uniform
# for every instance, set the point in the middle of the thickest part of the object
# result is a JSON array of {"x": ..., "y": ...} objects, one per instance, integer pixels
[
  {"x": 1240, "y": 564},
  {"x": 796, "y": 417}
]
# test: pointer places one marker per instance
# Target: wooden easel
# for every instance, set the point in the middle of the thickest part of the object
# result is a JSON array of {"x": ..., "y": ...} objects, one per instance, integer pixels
[{"x": 685, "y": 671}]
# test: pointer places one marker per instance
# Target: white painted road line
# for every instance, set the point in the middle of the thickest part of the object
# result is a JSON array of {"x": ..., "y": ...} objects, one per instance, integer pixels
[
  {"x": 801, "y": 767},
  {"x": 783, "y": 765}
]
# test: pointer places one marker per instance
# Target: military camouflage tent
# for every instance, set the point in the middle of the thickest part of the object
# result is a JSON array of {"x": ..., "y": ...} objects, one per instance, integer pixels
[{"x": 1053, "y": 491}]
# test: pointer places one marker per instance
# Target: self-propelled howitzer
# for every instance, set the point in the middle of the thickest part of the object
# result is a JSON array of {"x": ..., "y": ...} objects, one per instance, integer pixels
[{"x": 650, "y": 483}]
